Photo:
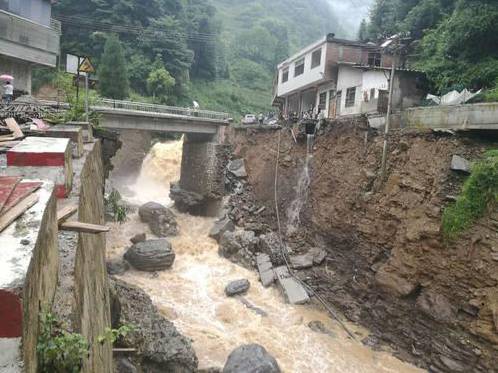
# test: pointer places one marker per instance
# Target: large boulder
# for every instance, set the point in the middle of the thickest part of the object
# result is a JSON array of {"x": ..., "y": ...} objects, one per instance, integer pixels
[
  {"x": 151, "y": 256},
  {"x": 160, "y": 347},
  {"x": 161, "y": 220},
  {"x": 220, "y": 227},
  {"x": 251, "y": 358},
  {"x": 237, "y": 168},
  {"x": 187, "y": 202},
  {"x": 237, "y": 287},
  {"x": 232, "y": 243},
  {"x": 117, "y": 266}
]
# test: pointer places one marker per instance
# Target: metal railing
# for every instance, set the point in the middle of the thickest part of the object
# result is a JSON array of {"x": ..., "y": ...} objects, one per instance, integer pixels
[{"x": 155, "y": 108}]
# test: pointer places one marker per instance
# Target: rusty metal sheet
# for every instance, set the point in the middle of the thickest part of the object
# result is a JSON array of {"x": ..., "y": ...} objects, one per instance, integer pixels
[
  {"x": 7, "y": 186},
  {"x": 21, "y": 191}
]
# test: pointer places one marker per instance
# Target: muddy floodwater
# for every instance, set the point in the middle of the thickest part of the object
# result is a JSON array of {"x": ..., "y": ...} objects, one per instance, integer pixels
[{"x": 191, "y": 294}]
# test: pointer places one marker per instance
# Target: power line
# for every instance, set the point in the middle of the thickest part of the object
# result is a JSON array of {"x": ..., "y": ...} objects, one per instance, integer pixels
[{"x": 86, "y": 23}]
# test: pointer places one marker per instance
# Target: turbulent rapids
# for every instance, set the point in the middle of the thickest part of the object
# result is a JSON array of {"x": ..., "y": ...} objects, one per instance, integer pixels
[{"x": 191, "y": 294}]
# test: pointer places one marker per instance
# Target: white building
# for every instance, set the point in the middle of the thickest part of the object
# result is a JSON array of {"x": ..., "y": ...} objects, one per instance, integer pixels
[
  {"x": 342, "y": 77},
  {"x": 28, "y": 37}
]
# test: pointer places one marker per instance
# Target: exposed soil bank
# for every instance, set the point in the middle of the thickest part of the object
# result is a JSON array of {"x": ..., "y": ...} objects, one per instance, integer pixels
[{"x": 388, "y": 267}]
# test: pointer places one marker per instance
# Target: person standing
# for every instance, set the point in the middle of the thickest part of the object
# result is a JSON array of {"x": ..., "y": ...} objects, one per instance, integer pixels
[
  {"x": 261, "y": 119},
  {"x": 8, "y": 92}
]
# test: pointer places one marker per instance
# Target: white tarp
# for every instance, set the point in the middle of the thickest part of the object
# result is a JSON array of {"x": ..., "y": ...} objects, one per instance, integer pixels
[{"x": 453, "y": 97}]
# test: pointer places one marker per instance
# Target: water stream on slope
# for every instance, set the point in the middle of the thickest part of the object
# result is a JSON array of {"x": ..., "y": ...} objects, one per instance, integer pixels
[
  {"x": 191, "y": 295},
  {"x": 302, "y": 188}
]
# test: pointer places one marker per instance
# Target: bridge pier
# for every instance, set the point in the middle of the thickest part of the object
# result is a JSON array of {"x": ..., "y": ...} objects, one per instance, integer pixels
[{"x": 202, "y": 181}]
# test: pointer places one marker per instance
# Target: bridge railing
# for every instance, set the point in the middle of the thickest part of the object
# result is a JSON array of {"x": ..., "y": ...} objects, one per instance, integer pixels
[{"x": 155, "y": 108}]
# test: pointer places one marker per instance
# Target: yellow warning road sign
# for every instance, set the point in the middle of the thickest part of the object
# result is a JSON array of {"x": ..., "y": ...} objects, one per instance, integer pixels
[{"x": 86, "y": 66}]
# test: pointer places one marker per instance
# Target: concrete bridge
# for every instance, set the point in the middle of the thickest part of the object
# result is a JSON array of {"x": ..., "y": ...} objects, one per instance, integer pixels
[
  {"x": 127, "y": 115},
  {"x": 204, "y": 156}
]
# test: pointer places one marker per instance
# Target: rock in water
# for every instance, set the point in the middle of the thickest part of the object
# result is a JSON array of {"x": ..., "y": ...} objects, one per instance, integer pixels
[
  {"x": 460, "y": 164},
  {"x": 151, "y": 256},
  {"x": 141, "y": 237},
  {"x": 161, "y": 220},
  {"x": 220, "y": 227},
  {"x": 251, "y": 358},
  {"x": 237, "y": 287},
  {"x": 160, "y": 347},
  {"x": 237, "y": 168},
  {"x": 117, "y": 267}
]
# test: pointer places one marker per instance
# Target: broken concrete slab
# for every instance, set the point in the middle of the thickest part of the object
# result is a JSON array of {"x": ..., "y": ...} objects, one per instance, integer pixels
[
  {"x": 265, "y": 268},
  {"x": 293, "y": 291},
  {"x": 301, "y": 261},
  {"x": 460, "y": 164}
]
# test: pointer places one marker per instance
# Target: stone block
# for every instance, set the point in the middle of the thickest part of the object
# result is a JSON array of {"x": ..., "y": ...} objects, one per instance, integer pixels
[
  {"x": 74, "y": 133},
  {"x": 293, "y": 291},
  {"x": 87, "y": 129},
  {"x": 43, "y": 158},
  {"x": 460, "y": 164},
  {"x": 265, "y": 268}
]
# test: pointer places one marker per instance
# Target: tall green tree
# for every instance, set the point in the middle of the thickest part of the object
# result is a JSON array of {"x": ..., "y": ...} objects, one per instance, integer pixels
[
  {"x": 113, "y": 76},
  {"x": 160, "y": 82},
  {"x": 363, "y": 31}
]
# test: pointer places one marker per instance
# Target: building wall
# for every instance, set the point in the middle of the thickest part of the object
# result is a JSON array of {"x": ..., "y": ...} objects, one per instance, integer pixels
[
  {"x": 310, "y": 76},
  {"x": 373, "y": 79},
  {"x": 28, "y": 41},
  {"x": 38, "y": 11},
  {"x": 350, "y": 77},
  {"x": 20, "y": 70}
]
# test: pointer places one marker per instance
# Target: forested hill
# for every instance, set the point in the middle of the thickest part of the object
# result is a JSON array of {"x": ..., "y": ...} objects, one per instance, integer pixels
[
  {"x": 221, "y": 53},
  {"x": 454, "y": 41}
]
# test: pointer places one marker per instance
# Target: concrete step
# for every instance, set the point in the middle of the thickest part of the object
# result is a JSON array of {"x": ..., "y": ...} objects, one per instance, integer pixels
[{"x": 294, "y": 292}]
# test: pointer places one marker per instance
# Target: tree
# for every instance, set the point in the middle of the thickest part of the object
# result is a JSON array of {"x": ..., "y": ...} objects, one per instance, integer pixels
[
  {"x": 363, "y": 32},
  {"x": 113, "y": 75},
  {"x": 160, "y": 82}
]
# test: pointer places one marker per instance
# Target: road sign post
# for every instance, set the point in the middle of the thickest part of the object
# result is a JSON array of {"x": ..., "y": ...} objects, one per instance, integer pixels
[{"x": 86, "y": 67}]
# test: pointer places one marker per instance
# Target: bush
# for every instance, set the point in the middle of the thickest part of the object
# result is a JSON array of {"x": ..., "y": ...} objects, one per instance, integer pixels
[{"x": 479, "y": 193}]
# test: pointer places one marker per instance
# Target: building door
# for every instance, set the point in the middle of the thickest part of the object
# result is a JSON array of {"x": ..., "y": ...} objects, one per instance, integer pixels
[
  {"x": 383, "y": 101},
  {"x": 338, "y": 101}
]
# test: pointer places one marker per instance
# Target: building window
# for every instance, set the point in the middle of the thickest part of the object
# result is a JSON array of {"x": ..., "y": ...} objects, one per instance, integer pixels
[
  {"x": 322, "y": 101},
  {"x": 299, "y": 68},
  {"x": 316, "y": 58},
  {"x": 350, "y": 97},
  {"x": 285, "y": 75},
  {"x": 374, "y": 59}
]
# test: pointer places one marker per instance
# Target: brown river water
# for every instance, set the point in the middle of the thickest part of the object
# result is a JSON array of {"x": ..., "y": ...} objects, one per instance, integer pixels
[{"x": 191, "y": 294}]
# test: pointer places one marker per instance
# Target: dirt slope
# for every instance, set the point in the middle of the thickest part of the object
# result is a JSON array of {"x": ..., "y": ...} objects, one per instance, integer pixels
[{"x": 388, "y": 267}]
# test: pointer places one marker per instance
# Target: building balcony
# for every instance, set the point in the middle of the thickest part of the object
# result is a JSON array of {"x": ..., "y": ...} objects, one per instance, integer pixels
[{"x": 29, "y": 41}]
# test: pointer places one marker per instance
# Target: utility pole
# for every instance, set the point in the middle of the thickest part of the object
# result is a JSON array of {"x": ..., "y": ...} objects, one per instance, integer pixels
[
  {"x": 388, "y": 120},
  {"x": 395, "y": 46},
  {"x": 86, "y": 98}
]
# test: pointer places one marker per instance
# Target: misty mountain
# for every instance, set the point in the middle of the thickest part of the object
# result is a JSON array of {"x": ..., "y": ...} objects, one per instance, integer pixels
[{"x": 350, "y": 13}]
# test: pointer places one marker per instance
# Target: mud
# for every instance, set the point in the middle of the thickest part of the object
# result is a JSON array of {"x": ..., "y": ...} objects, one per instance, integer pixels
[{"x": 434, "y": 303}]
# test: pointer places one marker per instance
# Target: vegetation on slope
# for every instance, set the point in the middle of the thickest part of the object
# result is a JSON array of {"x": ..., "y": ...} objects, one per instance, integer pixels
[
  {"x": 454, "y": 41},
  {"x": 177, "y": 51},
  {"x": 479, "y": 193}
]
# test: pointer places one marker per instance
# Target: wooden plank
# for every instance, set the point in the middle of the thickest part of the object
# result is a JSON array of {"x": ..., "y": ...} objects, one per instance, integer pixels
[
  {"x": 6, "y": 138},
  {"x": 21, "y": 191},
  {"x": 65, "y": 213},
  {"x": 7, "y": 186},
  {"x": 14, "y": 127},
  {"x": 76, "y": 226},
  {"x": 9, "y": 217}
]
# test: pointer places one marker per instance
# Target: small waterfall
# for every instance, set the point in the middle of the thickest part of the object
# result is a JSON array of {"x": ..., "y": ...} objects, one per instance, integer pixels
[{"x": 302, "y": 190}]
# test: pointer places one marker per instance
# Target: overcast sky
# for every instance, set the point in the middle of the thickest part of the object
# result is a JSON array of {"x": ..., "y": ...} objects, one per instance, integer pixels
[{"x": 351, "y": 12}]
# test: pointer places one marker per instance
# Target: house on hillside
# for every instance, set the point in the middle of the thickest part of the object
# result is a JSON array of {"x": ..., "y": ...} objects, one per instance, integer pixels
[
  {"x": 343, "y": 77},
  {"x": 28, "y": 37}
]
